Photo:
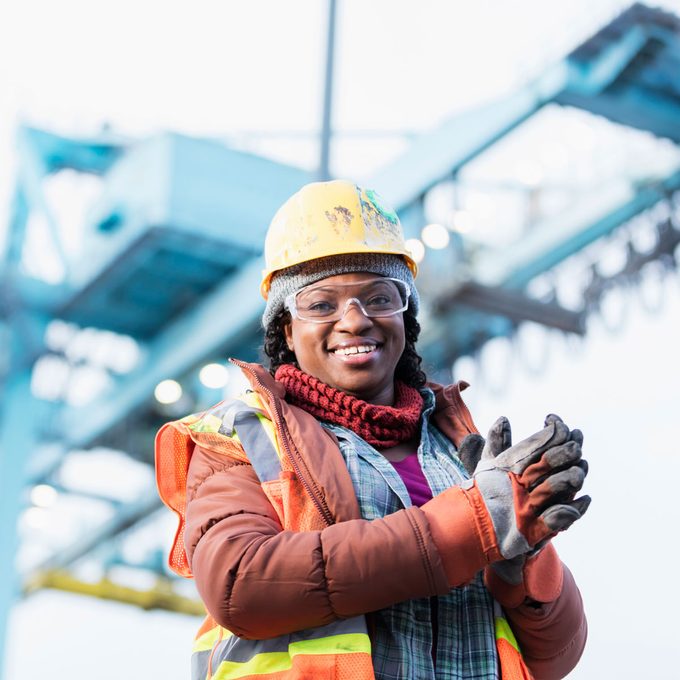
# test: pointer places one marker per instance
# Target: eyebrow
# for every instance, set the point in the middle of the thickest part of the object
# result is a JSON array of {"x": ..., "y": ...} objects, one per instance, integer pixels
[{"x": 332, "y": 286}]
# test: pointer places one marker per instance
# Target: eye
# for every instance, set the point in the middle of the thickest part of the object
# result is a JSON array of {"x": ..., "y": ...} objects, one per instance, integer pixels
[
  {"x": 379, "y": 300},
  {"x": 320, "y": 306}
]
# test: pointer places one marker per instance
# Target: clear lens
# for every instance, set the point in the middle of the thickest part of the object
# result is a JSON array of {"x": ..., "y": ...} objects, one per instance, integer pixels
[{"x": 323, "y": 303}]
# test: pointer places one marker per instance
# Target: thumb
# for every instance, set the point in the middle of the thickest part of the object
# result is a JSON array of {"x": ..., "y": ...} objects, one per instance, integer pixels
[
  {"x": 499, "y": 438},
  {"x": 470, "y": 451}
]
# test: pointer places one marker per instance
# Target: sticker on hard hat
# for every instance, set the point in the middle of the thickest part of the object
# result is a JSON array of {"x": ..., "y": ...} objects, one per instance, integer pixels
[
  {"x": 385, "y": 211},
  {"x": 382, "y": 226}
]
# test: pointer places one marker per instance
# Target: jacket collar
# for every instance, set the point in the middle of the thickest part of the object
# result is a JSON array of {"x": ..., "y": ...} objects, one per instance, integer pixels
[
  {"x": 450, "y": 409},
  {"x": 258, "y": 377}
]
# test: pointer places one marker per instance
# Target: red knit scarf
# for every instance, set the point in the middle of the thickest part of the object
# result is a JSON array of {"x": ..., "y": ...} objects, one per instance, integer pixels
[{"x": 380, "y": 426}]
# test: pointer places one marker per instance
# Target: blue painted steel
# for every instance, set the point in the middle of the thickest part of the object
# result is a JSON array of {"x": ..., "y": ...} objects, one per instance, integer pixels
[
  {"x": 592, "y": 76},
  {"x": 550, "y": 243},
  {"x": 11, "y": 257},
  {"x": 628, "y": 72},
  {"x": 181, "y": 215},
  {"x": 20, "y": 418},
  {"x": 223, "y": 318},
  {"x": 95, "y": 155},
  {"x": 438, "y": 155},
  {"x": 33, "y": 169}
]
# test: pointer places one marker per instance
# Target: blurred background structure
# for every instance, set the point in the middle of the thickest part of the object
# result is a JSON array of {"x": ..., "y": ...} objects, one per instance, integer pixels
[{"x": 131, "y": 260}]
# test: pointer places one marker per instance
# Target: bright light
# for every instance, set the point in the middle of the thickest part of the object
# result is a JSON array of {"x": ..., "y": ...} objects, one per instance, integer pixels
[
  {"x": 58, "y": 334},
  {"x": 168, "y": 392},
  {"x": 43, "y": 495},
  {"x": 50, "y": 377},
  {"x": 416, "y": 248},
  {"x": 435, "y": 236},
  {"x": 478, "y": 203},
  {"x": 85, "y": 383},
  {"x": 214, "y": 376}
]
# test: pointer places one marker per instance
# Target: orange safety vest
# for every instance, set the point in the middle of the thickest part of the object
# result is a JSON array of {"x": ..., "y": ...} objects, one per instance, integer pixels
[{"x": 340, "y": 650}]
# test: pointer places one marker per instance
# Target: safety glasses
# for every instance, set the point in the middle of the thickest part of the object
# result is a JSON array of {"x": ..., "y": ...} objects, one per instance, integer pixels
[{"x": 328, "y": 302}]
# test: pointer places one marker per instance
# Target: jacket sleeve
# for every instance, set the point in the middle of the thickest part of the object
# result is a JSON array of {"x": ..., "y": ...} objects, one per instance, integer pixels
[
  {"x": 551, "y": 635},
  {"x": 260, "y": 581}
]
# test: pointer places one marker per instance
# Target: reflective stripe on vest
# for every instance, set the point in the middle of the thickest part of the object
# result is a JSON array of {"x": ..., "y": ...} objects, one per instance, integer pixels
[
  {"x": 251, "y": 428},
  {"x": 321, "y": 652},
  {"x": 234, "y": 657},
  {"x": 509, "y": 655},
  {"x": 339, "y": 650}
]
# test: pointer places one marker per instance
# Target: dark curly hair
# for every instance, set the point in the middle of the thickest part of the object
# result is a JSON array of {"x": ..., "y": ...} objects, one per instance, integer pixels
[{"x": 408, "y": 369}]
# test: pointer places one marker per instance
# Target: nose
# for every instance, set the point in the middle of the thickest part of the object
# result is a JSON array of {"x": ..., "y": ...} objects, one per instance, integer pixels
[{"x": 353, "y": 318}]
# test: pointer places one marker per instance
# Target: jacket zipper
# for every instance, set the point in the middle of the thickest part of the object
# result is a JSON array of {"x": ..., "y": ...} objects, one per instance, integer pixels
[{"x": 316, "y": 498}]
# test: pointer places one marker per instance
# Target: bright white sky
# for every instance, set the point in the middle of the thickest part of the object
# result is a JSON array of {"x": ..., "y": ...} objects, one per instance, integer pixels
[{"x": 224, "y": 68}]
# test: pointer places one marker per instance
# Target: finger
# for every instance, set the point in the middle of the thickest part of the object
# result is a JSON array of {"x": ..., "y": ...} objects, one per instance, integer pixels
[
  {"x": 561, "y": 517},
  {"x": 558, "y": 488},
  {"x": 470, "y": 451},
  {"x": 553, "y": 460},
  {"x": 518, "y": 457},
  {"x": 498, "y": 435},
  {"x": 576, "y": 436},
  {"x": 582, "y": 504}
]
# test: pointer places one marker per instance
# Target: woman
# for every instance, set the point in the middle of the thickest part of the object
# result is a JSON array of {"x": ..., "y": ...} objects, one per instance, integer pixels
[{"x": 344, "y": 519}]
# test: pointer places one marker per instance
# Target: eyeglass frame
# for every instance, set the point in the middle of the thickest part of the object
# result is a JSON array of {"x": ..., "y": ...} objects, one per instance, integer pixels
[{"x": 289, "y": 301}]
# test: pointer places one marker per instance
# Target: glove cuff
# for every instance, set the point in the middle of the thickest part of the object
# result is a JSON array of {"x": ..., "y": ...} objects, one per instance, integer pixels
[
  {"x": 463, "y": 532},
  {"x": 542, "y": 578}
]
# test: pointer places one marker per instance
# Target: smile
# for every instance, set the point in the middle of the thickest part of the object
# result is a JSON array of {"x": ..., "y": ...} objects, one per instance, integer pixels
[{"x": 355, "y": 349}]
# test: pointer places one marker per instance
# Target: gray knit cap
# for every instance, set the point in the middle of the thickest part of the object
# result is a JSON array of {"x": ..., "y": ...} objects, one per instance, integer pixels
[{"x": 291, "y": 279}]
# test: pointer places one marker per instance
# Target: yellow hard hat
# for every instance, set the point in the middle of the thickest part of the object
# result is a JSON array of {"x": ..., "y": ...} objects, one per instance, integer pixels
[{"x": 331, "y": 218}]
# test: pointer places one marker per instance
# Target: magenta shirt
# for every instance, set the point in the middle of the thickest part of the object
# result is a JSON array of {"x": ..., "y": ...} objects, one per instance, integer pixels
[{"x": 412, "y": 475}]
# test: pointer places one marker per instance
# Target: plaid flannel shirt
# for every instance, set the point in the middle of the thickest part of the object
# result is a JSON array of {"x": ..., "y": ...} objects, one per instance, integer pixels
[{"x": 403, "y": 642}]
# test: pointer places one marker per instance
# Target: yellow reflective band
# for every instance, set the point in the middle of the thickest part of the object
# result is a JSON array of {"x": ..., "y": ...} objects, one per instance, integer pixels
[
  {"x": 208, "y": 423},
  {"x": 207, "y": 641},
  {"x": 504, "y": 632},
  {"x": 273, "y": 662},
  {"x": 267, "y": 662},
  {"x": 251, "y": 399}
]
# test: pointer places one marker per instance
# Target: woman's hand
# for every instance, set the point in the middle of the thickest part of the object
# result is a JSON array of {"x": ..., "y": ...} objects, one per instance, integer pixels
[
  {"x": 529, "y": 489},
  {"x": 535, "y": 576}
]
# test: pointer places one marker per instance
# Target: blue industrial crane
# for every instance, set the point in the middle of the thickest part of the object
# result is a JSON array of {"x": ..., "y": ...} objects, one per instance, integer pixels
[{"x": 172, "y": 257}]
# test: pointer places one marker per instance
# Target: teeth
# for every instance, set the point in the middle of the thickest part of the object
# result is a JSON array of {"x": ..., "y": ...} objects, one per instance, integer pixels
[{"x": 358, "y": 349}]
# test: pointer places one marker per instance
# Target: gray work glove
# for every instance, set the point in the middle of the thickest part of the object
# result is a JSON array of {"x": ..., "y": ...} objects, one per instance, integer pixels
[
  {"x": 535, "y": 577},
  {"x": 528, "y": 489}
]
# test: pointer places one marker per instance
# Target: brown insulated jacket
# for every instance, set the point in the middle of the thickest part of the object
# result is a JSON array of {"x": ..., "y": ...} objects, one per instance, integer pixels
[{"x": 260, "y": 581}]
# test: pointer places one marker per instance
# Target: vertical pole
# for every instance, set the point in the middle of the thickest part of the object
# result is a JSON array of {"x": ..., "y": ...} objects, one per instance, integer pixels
[
  {"x": 19, "y": 420},
  {"x": 326, "y": 132}
]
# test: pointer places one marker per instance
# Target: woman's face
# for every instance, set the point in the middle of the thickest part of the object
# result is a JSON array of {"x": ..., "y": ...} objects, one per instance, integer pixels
[{"x": 327, "y": 350}]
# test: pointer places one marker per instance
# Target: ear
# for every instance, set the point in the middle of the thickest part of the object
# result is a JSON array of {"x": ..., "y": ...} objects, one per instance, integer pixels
[{"x": 288, "y": 333}]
